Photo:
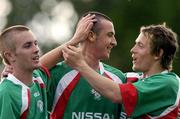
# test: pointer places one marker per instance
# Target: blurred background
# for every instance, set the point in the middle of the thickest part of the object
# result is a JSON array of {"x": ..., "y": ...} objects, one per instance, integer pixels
[{"x": 54, "y": 21}]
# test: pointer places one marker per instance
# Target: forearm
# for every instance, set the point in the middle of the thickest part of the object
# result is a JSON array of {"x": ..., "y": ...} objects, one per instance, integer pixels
[
  {"x": 54, "y": 56},
  {"x": 83, "y": 28},
  {"x": 103, "y": 85},
  {"x": 51, "y": 58}
]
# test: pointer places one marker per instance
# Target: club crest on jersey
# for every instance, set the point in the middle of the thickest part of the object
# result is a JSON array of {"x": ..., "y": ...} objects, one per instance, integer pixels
[
  {"x": 97, "y": 96},
  {"x": 40, "y": 105}
]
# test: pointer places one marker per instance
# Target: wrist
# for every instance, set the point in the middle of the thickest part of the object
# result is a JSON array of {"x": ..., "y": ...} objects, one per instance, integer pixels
[
  {"x": 74, "y": 41},
  {"x": 83, "y": 66}
]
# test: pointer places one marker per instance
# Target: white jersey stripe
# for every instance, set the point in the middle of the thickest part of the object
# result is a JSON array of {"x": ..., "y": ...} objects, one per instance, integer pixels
[
  {"x": 101, "y": 68},
  {"x": 133, "y": 75},
  {"x": 24, "y": 100},
  {"x": 113, "y": 76},
  {"x": 63, "y": 84},
  {"x": 68, "y": 78},
  {"x": 16, "y": 81},
  {"x": 40, "y": 81},
  {"x": 24, "y": 92},
  {"x": 171, "y": 108}
]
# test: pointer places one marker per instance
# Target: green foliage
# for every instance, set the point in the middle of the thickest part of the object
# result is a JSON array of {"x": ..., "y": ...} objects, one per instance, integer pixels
[{"x": 128, "y": 16}]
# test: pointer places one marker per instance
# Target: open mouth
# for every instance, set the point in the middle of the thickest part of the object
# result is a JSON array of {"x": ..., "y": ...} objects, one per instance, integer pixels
[
  {"x": 134, "y": 60},
  {"x": 36, "y": 58},
  {"x": 109, "y": 48}
]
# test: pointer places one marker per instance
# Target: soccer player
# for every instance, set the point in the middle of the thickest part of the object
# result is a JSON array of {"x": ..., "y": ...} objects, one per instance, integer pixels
[
  {"x": 74, "y": 97},
  {"x": 23, "y": 92},
  {"x": 156, "y": 94},
  {"x": 22, "y": 95}
]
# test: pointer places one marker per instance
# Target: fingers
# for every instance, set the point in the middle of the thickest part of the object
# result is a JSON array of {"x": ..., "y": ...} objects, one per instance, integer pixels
[
  {"x": 67, "y": 52},
  {"x": 89, "y": 26},
  {"x": 4, "y": 74},
  {"x": 70, "y": 51},
  {"x": 88, "y": 17},
  {"x": 73, "y": 48},
  {"x": 73, "y": 57},
  {"x": 83, "y": 28},
  {"x": 7, "y": 69},
  {"x": 88, "y": 20},
  {"x": 68, "y": 55}
]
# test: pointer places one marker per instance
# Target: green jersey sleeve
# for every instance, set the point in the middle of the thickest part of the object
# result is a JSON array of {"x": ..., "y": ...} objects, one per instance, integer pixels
[{"x": 9, "y": 108}]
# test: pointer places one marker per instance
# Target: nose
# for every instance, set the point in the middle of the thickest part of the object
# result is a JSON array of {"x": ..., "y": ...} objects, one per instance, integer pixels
[
  {"x": 36, "y": 48},
  {"x": 114, "y": 42},
  {"x": 132, "y": 49}
]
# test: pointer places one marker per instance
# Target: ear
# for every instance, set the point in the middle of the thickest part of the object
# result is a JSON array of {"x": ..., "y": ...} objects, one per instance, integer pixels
[
  {"x": 92, "y": 36},
  {"x": 158, "y": 56},
  {"x": 9, "y": 57}
]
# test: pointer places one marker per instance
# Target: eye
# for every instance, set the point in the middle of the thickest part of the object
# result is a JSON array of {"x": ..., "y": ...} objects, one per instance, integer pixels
[
  {"x": 36, "y": 42},
  {"x": 140, "y": 45},
  {"x": 110, "y": 34},
  {"x": 27, "y": 45}
]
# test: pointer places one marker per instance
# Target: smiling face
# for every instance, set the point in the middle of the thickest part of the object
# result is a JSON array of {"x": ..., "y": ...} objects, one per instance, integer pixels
[
  {"x": 105, "y": 40},
  {"x": 26, "y": 54},
  {"x": 143, "y": 59}
]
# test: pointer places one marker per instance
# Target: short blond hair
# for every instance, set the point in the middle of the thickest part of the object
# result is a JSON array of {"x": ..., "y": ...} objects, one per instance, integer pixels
[{"x": 7, "y": 39}]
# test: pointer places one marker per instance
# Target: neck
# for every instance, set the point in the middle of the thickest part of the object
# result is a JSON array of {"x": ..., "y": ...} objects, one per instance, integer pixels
[
  {"x": 91, "y": 59},
  {"x": 23, "y": 76},
  {"x": 153, "y": 71},
  {"x": 92, "y": 62}
]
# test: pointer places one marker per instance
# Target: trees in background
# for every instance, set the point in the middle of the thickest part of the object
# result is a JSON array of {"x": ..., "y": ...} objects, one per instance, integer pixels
[{"x": 128, "y": 16}]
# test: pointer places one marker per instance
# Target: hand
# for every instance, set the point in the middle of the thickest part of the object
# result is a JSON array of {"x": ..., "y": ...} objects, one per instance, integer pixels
[
  {"x": 83, "y": 28},
  {"x": 7, "y": 69},
  {"x": 73, "y": 57}
]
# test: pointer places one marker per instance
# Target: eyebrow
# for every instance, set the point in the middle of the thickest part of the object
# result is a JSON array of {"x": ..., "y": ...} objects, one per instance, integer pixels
[{"x": 111, "y": 33}]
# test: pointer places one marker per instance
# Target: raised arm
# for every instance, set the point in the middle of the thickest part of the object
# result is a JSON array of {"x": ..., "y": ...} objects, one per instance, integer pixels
[
  {"x": 103, "y": 85},
  {"x": 51, "y": 58}
]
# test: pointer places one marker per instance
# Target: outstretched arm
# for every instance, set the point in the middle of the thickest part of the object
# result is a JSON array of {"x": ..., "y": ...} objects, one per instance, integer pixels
[
  {"x": 51, "y": 58},
  {"x": 103, "y": 85}
]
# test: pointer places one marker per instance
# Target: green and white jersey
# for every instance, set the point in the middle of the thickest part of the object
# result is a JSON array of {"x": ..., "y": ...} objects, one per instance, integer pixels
[
  {"x": 154, "y": 97},
  {"x": 76, "y": 99},
  {"x": 18, "y": 101}
]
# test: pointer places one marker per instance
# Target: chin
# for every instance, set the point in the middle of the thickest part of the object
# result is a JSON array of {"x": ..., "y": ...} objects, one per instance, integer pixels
[
  {"x": 134, "y": 68},
  {"x": 107, "y": 57},
  {"x": 37, "y": 66}
]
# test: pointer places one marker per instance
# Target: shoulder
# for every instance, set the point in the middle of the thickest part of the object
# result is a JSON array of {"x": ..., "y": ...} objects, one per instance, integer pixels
[
  {"x": 47, "y": 73},
  {"x": 41, "y": 72},
  {"x": 133, "y": 76},
  {"x": 168, "y": 77},
  {"x": 6, "y": 84},
  {"x": 168, "y": 80},
  {"x": 112, "y": 69},
  {"x": 10, "y": 100},
  {"x": 60, "y": 68},
  {"x": 7, "y": 88},
  {"x": 60, "y": 65}
]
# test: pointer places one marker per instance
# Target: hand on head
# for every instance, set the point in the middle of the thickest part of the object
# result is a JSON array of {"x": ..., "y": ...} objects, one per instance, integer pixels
[{"x": 83, "y": 28}]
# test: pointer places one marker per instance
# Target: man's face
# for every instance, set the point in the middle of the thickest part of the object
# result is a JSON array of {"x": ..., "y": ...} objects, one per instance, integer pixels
[
  {"x": 105, "y": 40},
  {"x": 143, "y": 60},
  {"x": 26, "y": 55}
]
